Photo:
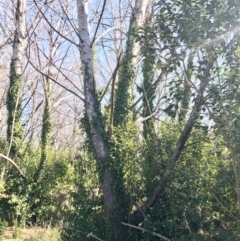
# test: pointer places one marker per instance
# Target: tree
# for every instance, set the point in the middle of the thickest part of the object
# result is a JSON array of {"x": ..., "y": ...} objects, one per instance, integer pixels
[
  {"x": 15, "y": 129},
  {"x": 206, "y": 59},
  {"x": 176, "y": 61},
  {"x": 113, "y": 197}
]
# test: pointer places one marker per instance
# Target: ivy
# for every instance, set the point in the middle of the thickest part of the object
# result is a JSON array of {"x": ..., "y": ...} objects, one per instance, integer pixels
[
  {"x": 127, "y": 76},
  {"x": 15, "y": 131},
  {"x": 46, "y": 133}
]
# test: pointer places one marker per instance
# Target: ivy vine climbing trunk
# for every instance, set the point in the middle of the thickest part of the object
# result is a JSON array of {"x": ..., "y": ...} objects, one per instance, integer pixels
[
  {"x": 15, "y": 129},
  {"x": 111, "y": 182},
  {"x": 148, "y": 70},
  {"x": 46, "y": 119},
  {"x": 186, "y": 89},
  {"x": 46, "y": 130},
  {"x": 139, "y": 215},
  {"x": 127, "y": 72}
]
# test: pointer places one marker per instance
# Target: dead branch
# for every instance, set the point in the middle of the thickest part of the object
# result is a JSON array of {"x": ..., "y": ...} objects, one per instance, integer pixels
[
  {"x": 144, "y": 230},
  {"x": 14, "y": 164}
]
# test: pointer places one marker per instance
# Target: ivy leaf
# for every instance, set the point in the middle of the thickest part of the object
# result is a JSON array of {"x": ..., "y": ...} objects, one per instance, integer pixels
[{"x": 170, "y": 110}]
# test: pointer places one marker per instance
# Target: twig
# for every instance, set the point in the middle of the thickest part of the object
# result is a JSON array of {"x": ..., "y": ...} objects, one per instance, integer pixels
[
  {"x": 225, "y": 208},
  {"x": 96, "y": 40},
  {"x": 67, "y": 227},
  {"x": 58, "y": 32},
  {"x": 148, "y": 90},
  {"x": 99, "y": 21},
  {"x": 93, "y": 236},
  {"x": 55, "y": 81},
  {"x": 144, "y": 230}
]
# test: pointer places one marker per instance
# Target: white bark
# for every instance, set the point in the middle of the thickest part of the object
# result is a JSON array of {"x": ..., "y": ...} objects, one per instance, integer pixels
[
  {"x": 139, "y": 17},
  {"x": 19, "y": 38},
  {"x": 87, "y": 62},
  {"x": 97, "y": 134}
]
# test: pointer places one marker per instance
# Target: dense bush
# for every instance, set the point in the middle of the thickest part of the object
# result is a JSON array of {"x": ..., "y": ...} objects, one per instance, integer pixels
[{"x": 23, "y": 201}]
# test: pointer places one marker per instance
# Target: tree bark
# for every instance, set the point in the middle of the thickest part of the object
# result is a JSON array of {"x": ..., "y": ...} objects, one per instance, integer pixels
[
  {"x": 111, "y": 184},
  {"x": 15, "y": 128}
]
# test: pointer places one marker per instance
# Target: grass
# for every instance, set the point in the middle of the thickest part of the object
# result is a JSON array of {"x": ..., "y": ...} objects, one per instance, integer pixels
[{"x": 31, "y": 234}]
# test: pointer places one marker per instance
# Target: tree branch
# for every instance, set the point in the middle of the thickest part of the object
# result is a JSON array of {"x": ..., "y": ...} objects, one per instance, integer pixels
[
  {"x": 114, "y": 74},
  {"x": 15, "y": 165},
  {"x": 63, "y": 36},
  {"x": 144, "y": 230},
  {"x": 148, "y": 90},
  {"x": 99, "y": 21},
  {"x": 93, "y": 236},
  {"x": 49, "y": 77},
  {"x": 160, "y": 187}
]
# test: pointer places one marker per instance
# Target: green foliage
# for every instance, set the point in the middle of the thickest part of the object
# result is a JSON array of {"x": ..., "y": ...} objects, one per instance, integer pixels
[
  {"x": 11, "y": 205},
  {"x": 88, "y": 145},
  {"x": 148, "y": 69},
  {"x": 125, "y": 154},
  {"x": 35, "y": 202},
  {"x": 189, "y": 43},
  {"x": 158, "y": 154},
  {"x": 3, "y": 227},
  {"x": 42, "y": 195},
  {"x": 45, "y": 135},
  {"x": 86, "y": 214},
  {"x": 15, "y": 129},
  {"x": 123, "y": 97},
  {"x": 200, "y": 193},
  {"x": 184, "y": 92},
  {"x": 199, "y": 198}
]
